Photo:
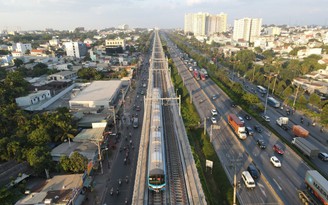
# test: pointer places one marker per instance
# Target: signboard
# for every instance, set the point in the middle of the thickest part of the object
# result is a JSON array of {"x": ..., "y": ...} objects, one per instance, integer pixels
[
  {"x": 89, "y": 167},
  {"x": 209, "y": 164}
]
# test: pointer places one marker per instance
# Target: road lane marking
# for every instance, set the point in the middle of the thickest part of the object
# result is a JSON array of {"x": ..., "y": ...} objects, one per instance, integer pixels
[
  {"x": 262, "y": 189},
  {"x": 277, "y": 184}
]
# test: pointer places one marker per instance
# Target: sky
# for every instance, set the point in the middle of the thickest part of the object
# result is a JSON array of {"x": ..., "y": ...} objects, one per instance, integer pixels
[{"x": 99, "y": 14}]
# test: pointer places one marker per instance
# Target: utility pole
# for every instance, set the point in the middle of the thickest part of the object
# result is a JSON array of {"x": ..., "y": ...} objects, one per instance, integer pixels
[
  {"x": 274, "y": 84},
  {"x": 234, "y": 162},
  {"x": 267, "y": 95},
  {"x": 204, "y": 125},
  {"x": 296, "y": 95}
]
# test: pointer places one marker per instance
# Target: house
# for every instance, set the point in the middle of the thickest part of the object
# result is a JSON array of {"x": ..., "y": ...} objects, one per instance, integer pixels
[
  {"x": 33, "y": 98},
  {"x": 35, "y": 52},
  {"x": 63, "y": 76},
  {"x": 59, "y": 190}
]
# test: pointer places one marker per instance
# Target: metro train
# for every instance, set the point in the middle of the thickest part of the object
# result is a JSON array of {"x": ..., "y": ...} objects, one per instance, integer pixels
[{"x": 156, "y": 154}]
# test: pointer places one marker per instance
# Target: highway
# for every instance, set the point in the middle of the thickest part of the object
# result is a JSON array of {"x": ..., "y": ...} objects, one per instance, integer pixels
[{"x": 276, "y": 185}]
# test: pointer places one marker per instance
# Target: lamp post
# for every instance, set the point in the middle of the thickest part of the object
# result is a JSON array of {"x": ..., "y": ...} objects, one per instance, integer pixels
[
  {"x": 100, "y": 159},
  {"x": 267, "y": 95}
]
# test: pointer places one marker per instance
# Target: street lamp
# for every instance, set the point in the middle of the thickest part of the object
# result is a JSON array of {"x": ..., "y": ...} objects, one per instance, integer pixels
[{"x": 267, "y": 95}]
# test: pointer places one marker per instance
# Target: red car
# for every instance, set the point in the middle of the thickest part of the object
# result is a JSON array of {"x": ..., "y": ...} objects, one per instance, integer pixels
[{"x": 278, "y": 149}]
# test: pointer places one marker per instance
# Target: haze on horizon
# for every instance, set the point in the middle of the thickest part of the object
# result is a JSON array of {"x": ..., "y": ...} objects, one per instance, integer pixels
[{"x": 99, "y": 14}]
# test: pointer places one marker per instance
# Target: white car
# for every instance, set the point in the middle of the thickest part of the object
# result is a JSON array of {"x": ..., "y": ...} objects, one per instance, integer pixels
[
  {"x": 275, "y": 161},
  {"x": 241, "y": 119},
  {"x": 266, "y": 118},
  {"x": 214, "y": 112},
  {"x": 214, "y": 120}
]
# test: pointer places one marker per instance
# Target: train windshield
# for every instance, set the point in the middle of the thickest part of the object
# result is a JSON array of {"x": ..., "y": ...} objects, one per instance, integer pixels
[{"x": 156, "y": 179}]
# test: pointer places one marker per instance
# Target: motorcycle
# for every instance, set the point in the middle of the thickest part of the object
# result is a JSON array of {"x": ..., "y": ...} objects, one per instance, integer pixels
[
  {"x": 126, "y": 179},
  {"x": 111, "y": 191},
  {"x": 119, "y": 181},
  {"x": 117, "y": 191}
]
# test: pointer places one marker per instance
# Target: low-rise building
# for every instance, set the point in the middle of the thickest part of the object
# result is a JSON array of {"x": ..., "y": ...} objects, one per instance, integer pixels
[
  {"x": 33, "y": 98},
  {"x": 63, "y": 76},
  {"x": 59, "y": 190},
  {"x": 99, "y": 94}
]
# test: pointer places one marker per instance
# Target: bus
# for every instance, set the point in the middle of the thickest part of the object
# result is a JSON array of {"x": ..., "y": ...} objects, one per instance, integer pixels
[
  {"x": 273, "y": 102},
  {"x": 261, "y": 89}
]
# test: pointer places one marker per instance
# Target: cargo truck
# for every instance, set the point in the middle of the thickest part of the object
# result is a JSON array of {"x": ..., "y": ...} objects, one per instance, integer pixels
[
  {"x": 237, "y": 126},
  {"x": 299, "y": 131},
  {"x": 283, "y": 122},
  {"x": 317, "y": 186},
  {"x": 305, "y": 146}
]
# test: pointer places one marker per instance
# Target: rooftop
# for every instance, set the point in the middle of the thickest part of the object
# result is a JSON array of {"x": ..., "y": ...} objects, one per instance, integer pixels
[{"x": 99, "y": 91}]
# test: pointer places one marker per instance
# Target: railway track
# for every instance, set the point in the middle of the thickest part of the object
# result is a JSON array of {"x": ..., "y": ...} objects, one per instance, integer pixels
[{"x": 175, "y": 192}]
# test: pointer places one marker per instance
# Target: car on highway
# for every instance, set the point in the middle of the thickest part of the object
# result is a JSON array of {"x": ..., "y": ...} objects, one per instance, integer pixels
[
  {"x": 214, "y": 121},
  {"x": 241, "y": 119},
  {"x": 323, "y": 156},
  {"x": 275, "y": 161},
  {"x": 142, "y": 92},
  {"x": 249, "y": 131},
  {"x": 247, "y": 117},
  {"x": 257, "y": 128},
  {"x": 266, "y": 118},
  {"x": 233, "y": 104},
  {"x": 261, "y": 143},
  {"x": 138, "y": 108},
  {"x": 278, "y": 149},
  {"x": 214, "y": 97},
  {"x": 214, "y": 112},
  {"x": 255, "y": 173}
]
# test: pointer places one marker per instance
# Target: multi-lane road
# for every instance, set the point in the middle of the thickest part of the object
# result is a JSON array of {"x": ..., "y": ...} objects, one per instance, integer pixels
[{"x": 276, "y": 185}]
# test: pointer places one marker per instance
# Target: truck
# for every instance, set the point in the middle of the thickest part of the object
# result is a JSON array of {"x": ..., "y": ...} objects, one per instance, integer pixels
[
  {"x": 283, "y": 122},
  {"x": 299, "y": 131},
  {"x": 306, "y": 147},
  {"x": 317, "y": 187},
  {"x": 237, "y": 126}
]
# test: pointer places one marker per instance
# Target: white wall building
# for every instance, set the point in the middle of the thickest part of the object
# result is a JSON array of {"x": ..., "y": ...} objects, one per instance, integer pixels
[
  {"x": 272, "y": 31},
  {"x": 54, "y": 42},
  {"x": 75, "y": 49},
  {"x": 216, "y": 23},
  {"x": 247, "y": 29},
  {"x": 115, "y": 43},
  {"x": 63, "y": 76},
  {"x": 33, "y": 98},
  {"x": 202, "y": 24},
  {"x": 21, "y": 47},
  {"x": 99, "y": 94}
]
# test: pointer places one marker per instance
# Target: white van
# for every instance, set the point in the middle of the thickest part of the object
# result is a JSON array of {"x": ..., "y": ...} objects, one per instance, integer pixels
[{"x": 248, "y": 179}]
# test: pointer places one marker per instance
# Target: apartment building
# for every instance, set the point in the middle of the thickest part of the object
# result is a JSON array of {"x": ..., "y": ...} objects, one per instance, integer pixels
[
  {"x": 247, "y": 29},
  {"x": 23, "y": 47},
  {"x": 202, "y": 24},
  {"x": 75, "y": 49}
]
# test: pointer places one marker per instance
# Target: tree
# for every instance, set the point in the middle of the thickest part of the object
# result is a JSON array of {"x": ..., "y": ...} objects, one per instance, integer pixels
[
  {"x": 39, "y": 158},
  {"x": 302, "y": 101},
  {"x": 39, "y": 136},
  {"x": 251, "y": 98},
  {"x": 65, "y": 163},
  {"x": 18, "y": 62},
  {"x": 78, "y": 162},
  {"x": 324, "y": 115},
  {"x": 315, "y": 99},
  {"x": 258, "y": 49}
]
